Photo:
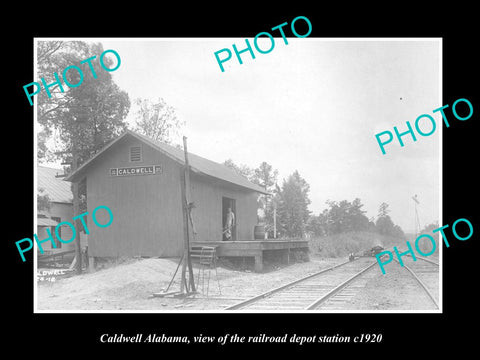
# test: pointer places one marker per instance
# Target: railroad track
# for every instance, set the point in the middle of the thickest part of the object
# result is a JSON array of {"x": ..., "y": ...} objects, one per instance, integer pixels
[
  {"x": 331, "y": 285},
  {"x": 426, "y": 273}
]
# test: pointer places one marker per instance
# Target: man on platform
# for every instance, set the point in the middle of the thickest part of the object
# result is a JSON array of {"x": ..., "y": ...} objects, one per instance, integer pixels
[{"x": 229, "y": 223}]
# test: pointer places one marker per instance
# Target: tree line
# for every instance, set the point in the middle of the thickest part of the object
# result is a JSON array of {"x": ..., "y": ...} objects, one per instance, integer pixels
[
  {"x": 344, "y": 216},
  {"x": 294, "y": 219}
]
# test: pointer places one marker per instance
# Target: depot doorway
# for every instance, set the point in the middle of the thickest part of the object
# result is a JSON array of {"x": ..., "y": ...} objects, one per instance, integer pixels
[{"x": 226, "y": 204}]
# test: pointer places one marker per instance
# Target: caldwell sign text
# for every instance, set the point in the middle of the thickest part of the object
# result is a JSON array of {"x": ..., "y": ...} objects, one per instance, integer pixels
[{"x": 136, "y": 170}]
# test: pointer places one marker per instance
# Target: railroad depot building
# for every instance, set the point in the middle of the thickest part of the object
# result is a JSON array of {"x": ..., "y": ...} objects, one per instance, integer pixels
[{"x": 140, "y": 181}]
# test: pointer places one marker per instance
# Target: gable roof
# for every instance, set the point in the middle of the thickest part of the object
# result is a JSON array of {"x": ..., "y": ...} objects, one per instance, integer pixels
[
  {"x": 197, "y": 163},
  {"x": 58, "y": 190}
]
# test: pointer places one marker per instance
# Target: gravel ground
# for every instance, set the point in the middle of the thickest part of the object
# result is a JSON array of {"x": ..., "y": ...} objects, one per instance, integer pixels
[
  {"x": 394, "y": 290},
  {"x": 130, "y": 286}
]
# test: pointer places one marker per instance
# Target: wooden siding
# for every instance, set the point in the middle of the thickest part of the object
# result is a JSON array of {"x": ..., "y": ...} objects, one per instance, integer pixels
[
  {"x": 146, "y": 208},
  {"x": 207, "y": 196}
]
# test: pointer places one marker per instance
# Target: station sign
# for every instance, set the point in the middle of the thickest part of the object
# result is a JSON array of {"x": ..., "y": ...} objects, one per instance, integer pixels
[{"x": 136, "y": 170}]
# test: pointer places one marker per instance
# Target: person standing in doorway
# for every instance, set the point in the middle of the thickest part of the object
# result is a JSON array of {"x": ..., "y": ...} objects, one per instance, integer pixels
[{"x": 229, "y": 223}]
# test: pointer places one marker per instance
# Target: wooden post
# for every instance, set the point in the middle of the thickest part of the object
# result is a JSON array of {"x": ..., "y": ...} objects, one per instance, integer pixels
[
  {"x": 187, "y": 219},
  {"x": 91, "y": 264},
  {"x": 274, "y": 220},
  {"x": 185, "y": 236},
  {"x": 188, "y": 198},
  {"x": 77, "y": 260},
  {"x": 76, "y": 209},
  {"x": 259, "y": 262},
  {"x": 187, "y": 261}
]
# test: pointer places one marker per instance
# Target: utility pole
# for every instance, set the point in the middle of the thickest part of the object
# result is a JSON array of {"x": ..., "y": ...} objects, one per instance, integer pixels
[
  {"x": 417, "y": 220},
  {"x": 186, "y": 261},
  {"x": 274, "y": 220},
  {"x": 76, "y": 203},
  {"x": 76, "y": 208},
  {"x": 187, "y": 206}
]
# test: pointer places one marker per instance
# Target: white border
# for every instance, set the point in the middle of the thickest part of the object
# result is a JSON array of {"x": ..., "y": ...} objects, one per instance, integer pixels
[{"x": 35, "y": 299}]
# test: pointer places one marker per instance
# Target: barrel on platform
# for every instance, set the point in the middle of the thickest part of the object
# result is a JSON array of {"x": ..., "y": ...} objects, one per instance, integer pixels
[{"x": 259, "y": 232}]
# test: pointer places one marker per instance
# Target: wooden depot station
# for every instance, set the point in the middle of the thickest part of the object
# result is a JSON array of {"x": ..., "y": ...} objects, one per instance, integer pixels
[{"x": 142, "y": 181}]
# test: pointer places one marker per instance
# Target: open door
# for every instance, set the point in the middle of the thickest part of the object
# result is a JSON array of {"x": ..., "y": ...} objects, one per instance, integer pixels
[{"x": 228, "y": 203}]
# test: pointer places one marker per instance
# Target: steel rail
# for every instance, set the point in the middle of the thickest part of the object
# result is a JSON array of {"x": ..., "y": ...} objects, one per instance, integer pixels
[
  {"x": 422, "y": 284},
  {"x": 332, "y": 292},
  {"x": 424, "y": 259},
  {"x": 256, "y": 298}
]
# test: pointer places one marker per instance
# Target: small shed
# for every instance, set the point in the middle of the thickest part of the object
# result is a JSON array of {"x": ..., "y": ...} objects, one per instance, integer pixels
[
  {"x": 61, "y": 208},
  {"x": 139, "y": 179}
]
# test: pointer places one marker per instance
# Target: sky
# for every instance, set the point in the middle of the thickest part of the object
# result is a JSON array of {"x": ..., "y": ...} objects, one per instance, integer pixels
[{"x": 313, "y": 105}]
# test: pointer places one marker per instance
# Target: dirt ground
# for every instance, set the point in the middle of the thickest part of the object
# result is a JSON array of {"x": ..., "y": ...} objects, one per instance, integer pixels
[{"x": 130, "y": 286}]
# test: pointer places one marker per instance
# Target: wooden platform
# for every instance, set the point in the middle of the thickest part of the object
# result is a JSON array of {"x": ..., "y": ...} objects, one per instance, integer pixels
[{"x": 254, "y": 248}]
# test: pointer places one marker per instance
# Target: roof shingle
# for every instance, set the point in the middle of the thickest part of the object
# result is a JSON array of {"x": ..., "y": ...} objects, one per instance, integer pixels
[{"x": 197, "y": 163}]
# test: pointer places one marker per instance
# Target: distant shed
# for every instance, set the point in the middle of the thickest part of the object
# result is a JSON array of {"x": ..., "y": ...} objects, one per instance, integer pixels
[
  {"x": 61, "y": 209},
  {"x": 139, "y": 179}
]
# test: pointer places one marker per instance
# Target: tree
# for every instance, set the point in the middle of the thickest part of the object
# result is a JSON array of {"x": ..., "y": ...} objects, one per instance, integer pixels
[
  {"x": 316, "y": 225},
  {"x": 383, "y": 210},
  {"x": 266, "y": 177},
  {"x": 384, "y": 224},
  {"x": 86, "y": 117},
  {"x": 43, "y": 153},
  {"x": 428, "y": 229},
  {"x": 344, "y": 216},
  {"x": 43, "y": 200},
  {"x": 357, "y": 220},
  {"x": 293, "y": 201},
  {"x": 156, "y": 119},
  {"x": 426, "y": 245},
  {"x": 242, "y": 170},
  {"x": 337, "y": 216},
  {"x": 398, "y": 232}
]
